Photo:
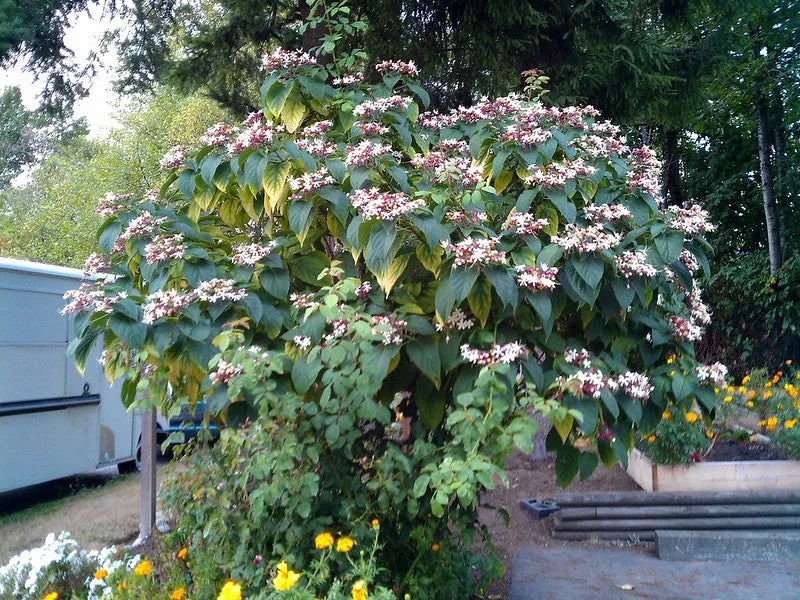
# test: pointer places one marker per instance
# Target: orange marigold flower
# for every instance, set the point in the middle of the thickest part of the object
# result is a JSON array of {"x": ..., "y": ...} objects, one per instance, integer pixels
[
  {"x": 767, "y": 394},
  {"x": 745, "y": 379},
  {"x": 666, "y": 415},
  {"x": 183, "y": 553},
  {"x": 651, "y": 439},
  {"x": 359, "y": 590},
  {"x": 691, "y": 417},
  {"x": 100, "y": 574},
  {"x": 323, "y": 540},
  {"x": 789, "y": 423},
  {"x": 143, "y": 568},
  {"x": 728, "y": 399},
  {"x": 178, "y": 594},
  {"x": 788, "y": 362},
  {"x": 709, "y": 434},
  {"x": 435, "y": 547},
  {"x": 772, "y": 423},
  {"x": 375, "y": 523},
  {"x": 345, "y": 544},
  {"x": 230, "y": 591}
]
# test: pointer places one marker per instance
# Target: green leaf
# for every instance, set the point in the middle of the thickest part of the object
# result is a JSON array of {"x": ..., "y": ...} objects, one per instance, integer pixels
[
  {"x": 388, "y": 278},
  {"x": 681, "y": 386},
  {"x": 567, "y": 464},
  {"x": 610, "y": 402},
  {"x": 433, "y": 230},
  {"x": 300, "y": 218},
  {"x": 276, "y": 96},
  {"x": 304, "y": 373},
  {"x": 381, "y": 247},
  {"x": 274, "y": 178},
  {"x": 587, "y": 463},
  {"x": 623, "y": 291},
  {"x": 559, "y": 198},
  {"x": 632, "y": 408},
  {"x": 480, "y": 300},
  {"x": 590, "y": 268},
  {"x": 420, "y": 92},
  {"x": 503, "y": 282},
  {"x": 462, "y": 280},
  {"x": 109, "y": 235},
  {"x": 424, "y": 353},
  {"x": 129, "y": 331},
  {"x": 549, "y": 255},
  {"x": 195, "y": 331},
  {"x": 445, "y": 299},
  {"x": 293, "y": 112},
  {"x": 208, "y": 167},
  {"x": 575, "y": 286},
  {"x": 669, "y": 246},
  {"x": 331, "y": 432},
  {"x": 275, "y": 282},
  {"x": 309, "y": 266},
  {"x": 541, "y": 303}
]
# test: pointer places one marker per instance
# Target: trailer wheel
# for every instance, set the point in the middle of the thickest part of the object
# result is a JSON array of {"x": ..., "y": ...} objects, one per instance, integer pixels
[{"x": 132, "y": 466}]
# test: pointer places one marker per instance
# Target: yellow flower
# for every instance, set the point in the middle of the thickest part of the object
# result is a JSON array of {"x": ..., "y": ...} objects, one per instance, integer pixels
[
  {"x": 797, "y": 376},
  {"x": 772, "y": 423},
  {"x": 100, "y": 574},
  {"x": 285, "y": 578},
  {"x": 671, "y": 373},
  {"x": 768, "y": 384},
  {"x": 670, "y": 359},
  {"x": 121, "y": 586},
  {"x": 762, "y": 423},
  {"x": 323, "y": 540},
  {"x": 729, "y": 389},
  {"x": 728, "y": 399},
  {"x": 742, "y": 389},
  {"x": 359, "y": 590},
  {"x": 178, "y": 593},
  {"x": 709, "y": 434},
  {"x": 767, "y": 394},
  {"x": 789, "y": 423},
  {"x": 435, "y": 547},
  {"x": 788, "y": 362},
  {"x": 753, "y": 438},
  {"x": 183, "y": 553},
  {"x": 751, "y": 394},
  {"x": 345, "y": 544},
  {"x": 230, "y": 591},
  {"x": 745, "y": 379},
  {"x": 691, "y": 417},
  {"x": 651, "y": 439},
  {"x": 375, "y": 523},
  {"x": 143, "y": 568},
  {"x": 666, "y": 415},
  {"x": 750, "y": 404},
  {"x": 716, "y": 390},
  {"x": 50, "y": 596}
]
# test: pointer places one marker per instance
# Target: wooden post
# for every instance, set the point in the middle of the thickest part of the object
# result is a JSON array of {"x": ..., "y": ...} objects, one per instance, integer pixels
[{"x": 147, "y": 488}]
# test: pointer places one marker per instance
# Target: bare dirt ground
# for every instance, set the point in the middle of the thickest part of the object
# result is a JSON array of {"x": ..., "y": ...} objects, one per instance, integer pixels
[{"x": 535, "y": 479}]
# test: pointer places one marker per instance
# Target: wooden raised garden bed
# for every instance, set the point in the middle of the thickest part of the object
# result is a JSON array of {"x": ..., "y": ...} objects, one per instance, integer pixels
[{"x": 713, "y": 476}]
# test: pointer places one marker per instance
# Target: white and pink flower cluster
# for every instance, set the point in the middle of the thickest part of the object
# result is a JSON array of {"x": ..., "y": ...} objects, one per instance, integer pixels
[
  {"x": 606, "y": 212},
  {"x": 472, "y": 252},
  {"x": 689, "y": 261},
  {"x": 457, "y": 170},
  {"x": 88, "y": 297},
  {"x": 219, "y": 290},
  {"x": 224, "y": 372},
  {"x": 693, "y": 220},
  {"x": 633, "y": 263},
  {"x": 386, "y": 206},
  {"x": 303, "y": 301},
  {"x": 165, "y": 247},
  {"x": 604, "y": 145},
  {"x": 636, "y": 385},
  {"x": 578, "y": 357},
  {"x": 391, "y": 329},
  {"x": 307, "y": 183},
  {"x": 715, "y": 373},
  {"x": 586, "y": 239},
  {"x": 644, "y": 172},
  {"x": 525, "y": 134},
  {"x": 257, "y": 131},
  {"x": 110, "y": 204},
  {"x": 250, "y": 254},
  {"x": 173, "y": 157},
  {"x": 302, "y": 341},
  {"x": 497, "y": 354},
  {"x": 216, "y": 135},
  {"x": 363, "y": 290},
  {"x": 165, "y": 303},
  {"x": 370, "y": 128},
  {"x": 407, "y": 69},
  {"x": 685, "y": 329},
  {"x": 536, "y": 279},
  {"x": 369, "y": 109},
  {"x": 524, "y": 223},
  {"x": 286, "y": 60},
  {"x": 140, "y": 226},
  {"x": 348, "y": 79},
  {"x": 556, "y": 174},
  {"x": 96, "y": 264},
  {"x": 367, "y": 153},
  {"x": 698, "y": 310},
  {"x": 469, "y": 217},
  {"x": 456, "y": 320}
]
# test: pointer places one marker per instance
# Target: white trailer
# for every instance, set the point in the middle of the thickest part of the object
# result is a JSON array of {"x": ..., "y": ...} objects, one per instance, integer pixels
[{"x": 53, "y": 421}]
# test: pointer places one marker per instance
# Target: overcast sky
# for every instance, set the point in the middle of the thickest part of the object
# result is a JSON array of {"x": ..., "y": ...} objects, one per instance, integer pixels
[{"x": 82, "y": 37}]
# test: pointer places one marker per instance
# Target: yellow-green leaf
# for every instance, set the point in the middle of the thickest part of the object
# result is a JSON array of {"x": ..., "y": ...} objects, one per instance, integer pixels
[
  {"x": 564, "y": 426},
  {"x": 293, "y": 112},
  {"x": 389, "y": 277},
  {"x": 430, "y": 259},
  {"x": 503, "y": 180},
  {"x": 480, "y": 300}
]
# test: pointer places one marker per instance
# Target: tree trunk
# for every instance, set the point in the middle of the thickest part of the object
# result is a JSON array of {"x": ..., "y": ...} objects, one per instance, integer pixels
[
  {"x": 671, "y": 187},
  {"x": 647, "y": 134},
  {"x": 767, "y": 192},
  {"x": 781, "y": 158}
]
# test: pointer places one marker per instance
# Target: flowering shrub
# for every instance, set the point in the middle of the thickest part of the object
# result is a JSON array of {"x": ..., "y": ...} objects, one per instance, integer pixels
[
  {"x": 383, "y": 296},
  {"x": 59, "y": 568},
  {"x": 678, "y": 439}
]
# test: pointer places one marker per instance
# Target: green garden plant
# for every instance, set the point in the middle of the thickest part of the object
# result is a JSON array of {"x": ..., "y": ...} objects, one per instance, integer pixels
[{"x": 377, "y": 300}]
